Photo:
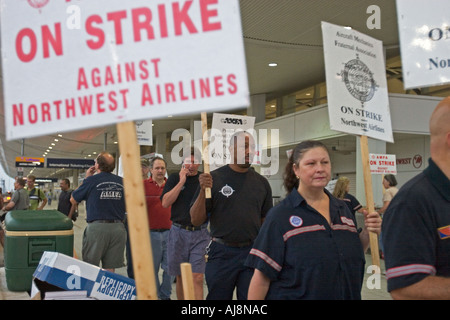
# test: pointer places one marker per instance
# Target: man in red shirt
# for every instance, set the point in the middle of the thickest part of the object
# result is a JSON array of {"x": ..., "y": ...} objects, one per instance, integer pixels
[{"x": 159, "y": 224}]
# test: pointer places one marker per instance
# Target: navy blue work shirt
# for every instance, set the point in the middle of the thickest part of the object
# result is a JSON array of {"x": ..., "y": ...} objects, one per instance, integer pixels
[
  {"x": 416, "y": 229},
  {"x": 304, "y": 256},
  {"x": 104, "y": 195}
]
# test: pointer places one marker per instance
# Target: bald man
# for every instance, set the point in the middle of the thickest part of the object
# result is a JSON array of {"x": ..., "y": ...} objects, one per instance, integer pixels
[
  {"x": 416, "y": 226},
  {"x": 105, "y": 236}
]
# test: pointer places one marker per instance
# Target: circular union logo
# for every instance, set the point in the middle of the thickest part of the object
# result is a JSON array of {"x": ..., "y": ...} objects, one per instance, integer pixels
[
  {"x": 226, "y": 190},
  {"x": 359, "y": 80},
  {"x": 296, "y": 221},
  {"x": 38, "y": 3}
]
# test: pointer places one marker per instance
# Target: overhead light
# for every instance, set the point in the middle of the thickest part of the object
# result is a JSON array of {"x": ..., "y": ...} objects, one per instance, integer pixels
[
  {"x": 56, "y": 140},
  {"x": 273, "y": 106},
  {"x": 53, "y": 144},
  {"x": 348, "y": 27},
  {"x": 59, "y": 135},
  {"x": 273, "y": 64}
]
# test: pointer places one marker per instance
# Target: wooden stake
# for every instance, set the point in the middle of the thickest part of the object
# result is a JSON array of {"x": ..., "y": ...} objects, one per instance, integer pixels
[
  {"x": 369, "y": 198},
  {"x": 205, "y": 153},
  {"x": 141, "y": 249},
  {"x": 188, "y": 281}
]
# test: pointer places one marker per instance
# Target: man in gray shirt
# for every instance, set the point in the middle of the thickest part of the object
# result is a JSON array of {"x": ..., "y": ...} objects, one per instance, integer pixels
[{"x": 19, "y": 201}]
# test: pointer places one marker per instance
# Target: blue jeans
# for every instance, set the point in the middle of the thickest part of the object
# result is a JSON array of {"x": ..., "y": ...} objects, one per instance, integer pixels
[{"x": 159, "y": 249}]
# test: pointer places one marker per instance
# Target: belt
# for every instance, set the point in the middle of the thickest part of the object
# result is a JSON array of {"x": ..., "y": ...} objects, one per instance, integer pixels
[
  {"x": 158, "y": 230},
  {"x": 189, "y": 228},
  {"x": 233, "y": 244},
  {"x": 105, "y": 221}
]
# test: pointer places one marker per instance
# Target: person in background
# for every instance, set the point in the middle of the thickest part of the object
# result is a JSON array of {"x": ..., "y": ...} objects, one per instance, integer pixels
[
  {"x": 19, "y": 201},
  {"x": 186, "y": 242},
  {"x": 64, "y": 204},
  {"x": 308, "y": 246},
  {"x": 341, "y": 190},
  {"x": 105, "y": 236},
  {"x": 416, "y": 225},
  {"x": 159, "y": 225},
  {"x": 36, "y": 194},
  {"x": 389, "y": 184}
]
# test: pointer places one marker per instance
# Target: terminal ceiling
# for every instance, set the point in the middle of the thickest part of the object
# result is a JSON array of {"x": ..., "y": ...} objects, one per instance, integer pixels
[{"x": 287, "y": 32}]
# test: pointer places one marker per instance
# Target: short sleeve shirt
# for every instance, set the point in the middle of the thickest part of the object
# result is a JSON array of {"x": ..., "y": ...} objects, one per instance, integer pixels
[
  {"x": 158, "y": 217},
  {"x": 104, "y": 195},
  {"x": 416, "y": 230},
  {"x": 180, "y": 208},
  {"x": 304, "y": 256},
  {"x": 64, "y": 203},
  {"x": 20, "y": 199},
  {"x": 239, "y": 202},
  {"x": 352, "y": 203},
  {"x": 390, "y": 193}
]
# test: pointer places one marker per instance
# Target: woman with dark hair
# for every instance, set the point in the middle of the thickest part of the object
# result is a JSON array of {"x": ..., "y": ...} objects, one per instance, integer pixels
[
  {"x": 389, "y": 184},
  {"x": 308, "y": 246}
]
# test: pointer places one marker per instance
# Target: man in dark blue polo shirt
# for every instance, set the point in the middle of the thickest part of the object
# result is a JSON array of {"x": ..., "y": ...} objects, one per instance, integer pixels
[
  {"x": 416, "y": 226},
  {"x": 105, "y": 236}
]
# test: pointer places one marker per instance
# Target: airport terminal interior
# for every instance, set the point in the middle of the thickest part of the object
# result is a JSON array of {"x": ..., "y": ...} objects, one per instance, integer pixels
[{"x": 287, "y": 88}]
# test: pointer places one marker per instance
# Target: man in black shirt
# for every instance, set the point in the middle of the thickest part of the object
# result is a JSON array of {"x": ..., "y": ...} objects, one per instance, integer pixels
[
  {"x": 240, "y": 199},
  {"x": 64, "y": 203},
  {"x": 186, "y": 243}
]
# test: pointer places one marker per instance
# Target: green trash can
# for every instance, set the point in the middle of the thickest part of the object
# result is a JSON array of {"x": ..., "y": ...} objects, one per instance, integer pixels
[{"x": 28, "y": 233}]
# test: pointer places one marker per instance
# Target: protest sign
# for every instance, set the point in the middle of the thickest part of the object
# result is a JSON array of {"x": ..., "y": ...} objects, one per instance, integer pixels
[
  {"x": 424, "y": 30},
  {"x": 112, "y": 61},
  {"x": 382, "y": 163},
  {"x": 358, "y": 100},
  {"x": 222, "y": 128},
  {"x": 357, "y": 90}
]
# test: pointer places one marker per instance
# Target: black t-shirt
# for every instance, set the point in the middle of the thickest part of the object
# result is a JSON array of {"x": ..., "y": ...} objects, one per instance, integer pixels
[
  {"x": 64, "y": 203},
  {"x": 180, "y": 208},
  {"x": 238, "y": 203}
]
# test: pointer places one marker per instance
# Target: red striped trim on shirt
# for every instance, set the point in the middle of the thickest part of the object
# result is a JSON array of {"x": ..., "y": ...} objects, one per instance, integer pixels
[
  {"x": 297, "y": 231},
  {"x": 266, "y": 258},
  {"x": 410, "y": 269},
  {"x": 343, "y": 227}
]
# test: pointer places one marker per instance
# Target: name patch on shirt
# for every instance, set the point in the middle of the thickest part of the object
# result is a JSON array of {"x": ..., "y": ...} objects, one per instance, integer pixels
[{"x": 444, "y": 232}]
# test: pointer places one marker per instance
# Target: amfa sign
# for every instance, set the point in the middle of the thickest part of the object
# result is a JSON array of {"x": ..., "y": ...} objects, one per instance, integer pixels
[
  {"x": 356, "y": 83},
  {"x": 129, "y": 60},
  {"x": 382, "y": 163}
]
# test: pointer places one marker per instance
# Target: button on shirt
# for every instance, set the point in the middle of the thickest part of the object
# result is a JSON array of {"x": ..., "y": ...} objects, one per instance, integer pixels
[
  {"x": 416, "y": 230},
  {"x": 304, "y": 256}
]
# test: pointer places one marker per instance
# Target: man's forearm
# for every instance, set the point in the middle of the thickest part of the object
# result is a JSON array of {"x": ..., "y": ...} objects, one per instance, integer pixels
[
  {"x": 198, "y": 209},
  {"x": 431, "y": 287}
]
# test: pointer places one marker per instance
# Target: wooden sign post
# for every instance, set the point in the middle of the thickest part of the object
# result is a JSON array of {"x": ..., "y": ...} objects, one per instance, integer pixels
[
  {"x": 369, "y": 198},
  {"x": 205, "y": 151},
  {"x": 141, "y": 249},
  {"x": 188, "y": 281}
]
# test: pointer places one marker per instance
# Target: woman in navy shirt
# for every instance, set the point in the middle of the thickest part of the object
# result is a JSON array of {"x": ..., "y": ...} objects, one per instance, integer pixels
[{"x": 308, "y": 246}]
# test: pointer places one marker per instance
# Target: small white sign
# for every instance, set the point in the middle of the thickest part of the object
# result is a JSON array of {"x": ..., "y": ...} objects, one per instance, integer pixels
[
  {"x": 382, "y": 163},
  {"x": 357, "y": 90},
  {"x": 144, "y": 132},
  {"x": 222, "y": 128},
  {"x": 424, "y": 30}
]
